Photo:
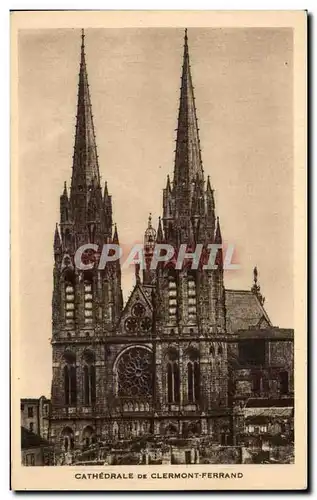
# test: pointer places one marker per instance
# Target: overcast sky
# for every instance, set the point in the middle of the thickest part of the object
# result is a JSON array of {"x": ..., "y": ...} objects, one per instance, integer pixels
[{"x": 243, "y": 90}]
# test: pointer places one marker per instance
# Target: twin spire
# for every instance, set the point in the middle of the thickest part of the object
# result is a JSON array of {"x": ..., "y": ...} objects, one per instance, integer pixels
[
  {"x": 85, "y": 158},
  {"x": 188, "y": 162},
  {"x": 188, "y": 204},
  {"x": 87, "y": 211},
  {"x": 188, "y": 182}
]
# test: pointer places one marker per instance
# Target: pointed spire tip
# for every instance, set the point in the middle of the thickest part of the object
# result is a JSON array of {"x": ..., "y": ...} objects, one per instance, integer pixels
[
  {"x": 84, "y": 130},
  {"x": 115, "y": 238},
  {"x": 82, "y": 43}
]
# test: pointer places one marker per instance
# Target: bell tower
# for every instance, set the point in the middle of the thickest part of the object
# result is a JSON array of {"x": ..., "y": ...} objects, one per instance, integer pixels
[
  {"x": 86, "y": 302},
  {"x": 190, "y": 327},
  {"x": 191, "y": 299}
]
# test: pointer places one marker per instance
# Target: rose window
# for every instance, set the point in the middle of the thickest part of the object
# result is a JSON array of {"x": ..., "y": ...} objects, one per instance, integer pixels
[
  {"x": 134, "y": 373},
  {"x": 131, "y": 325},
  {"x": 146, "y": 324},
  {"x": 138, "y": 310}
]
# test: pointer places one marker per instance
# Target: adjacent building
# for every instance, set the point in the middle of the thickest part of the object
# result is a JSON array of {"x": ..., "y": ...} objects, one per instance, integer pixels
[
  {"x": 35, "y": 415},
  {"x": 34, "y": 449}
]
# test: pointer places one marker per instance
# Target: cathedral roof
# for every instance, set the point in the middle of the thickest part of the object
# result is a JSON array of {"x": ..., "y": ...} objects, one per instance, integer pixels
[{"x": 244, "y": 311}]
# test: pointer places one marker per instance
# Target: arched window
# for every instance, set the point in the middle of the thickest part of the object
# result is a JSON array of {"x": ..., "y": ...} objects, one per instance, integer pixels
[
  {"x": 69, "y": 300},
  {"x": 89, "y": 384},
  {"x": 172, "y": 298},
  {"x": 88, "y": 292},
  {"x": 220, "y": 350},
  {"x": 193, "y": 378},
  {"x": 191, "y": 292},
  {"x": 67, "y": 439},
  {"x": 173, "y": 380},
  {"x": 134, "y": 372},
  {"x": 89, "y": 371},
  {"x": 70, "y": 386}
]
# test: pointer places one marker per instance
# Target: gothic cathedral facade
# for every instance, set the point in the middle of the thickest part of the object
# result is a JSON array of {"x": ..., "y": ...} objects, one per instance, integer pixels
[{"x": 158, "y": 365}]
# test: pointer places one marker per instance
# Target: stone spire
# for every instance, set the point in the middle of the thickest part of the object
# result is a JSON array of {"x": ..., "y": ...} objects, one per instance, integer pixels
[
  {"x": 188, "y": 163},
  {"x": 115, "y": 238},
  {"x": 149, "y": 245},
  {"x": 218, "y": 240},
  {"x": 57, "y": 242},
  {"x": 85, "y": 158},
  {"x": 160, "y": 236},
  {"x": 188, "y": 215}
]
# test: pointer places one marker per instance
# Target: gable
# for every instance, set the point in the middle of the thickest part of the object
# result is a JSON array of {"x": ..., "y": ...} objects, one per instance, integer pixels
[{"x": 137, "y": 315}]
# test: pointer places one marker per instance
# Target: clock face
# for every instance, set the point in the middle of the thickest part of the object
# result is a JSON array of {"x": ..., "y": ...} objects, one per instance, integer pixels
[
  {"x": 138, "y": 310},
  {"x": 131, "y": 325}
]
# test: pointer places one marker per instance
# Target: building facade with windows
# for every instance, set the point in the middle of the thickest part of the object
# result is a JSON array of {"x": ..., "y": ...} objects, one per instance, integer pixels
[
  {"x": 35, "y": 415},
  {"x": 180, "y": 359}
]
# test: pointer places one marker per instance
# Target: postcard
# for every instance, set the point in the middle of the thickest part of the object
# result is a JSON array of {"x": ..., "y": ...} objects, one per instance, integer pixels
[{"x": 158, "y": 277}]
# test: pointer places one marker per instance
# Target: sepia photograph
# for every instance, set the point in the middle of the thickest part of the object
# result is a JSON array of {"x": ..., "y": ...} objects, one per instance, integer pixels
[{"x": 156, "y": 185}]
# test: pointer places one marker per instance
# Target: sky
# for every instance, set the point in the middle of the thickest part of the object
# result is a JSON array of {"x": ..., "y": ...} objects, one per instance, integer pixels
[{"x": 243, "y": 81}]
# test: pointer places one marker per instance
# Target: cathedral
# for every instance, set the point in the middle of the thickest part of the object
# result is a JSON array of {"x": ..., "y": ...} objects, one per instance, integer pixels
[{"x": 176, "y": 363}]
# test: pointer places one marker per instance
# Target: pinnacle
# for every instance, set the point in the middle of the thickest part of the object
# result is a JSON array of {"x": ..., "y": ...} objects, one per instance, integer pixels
[{"x": 150, "y": 221}]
